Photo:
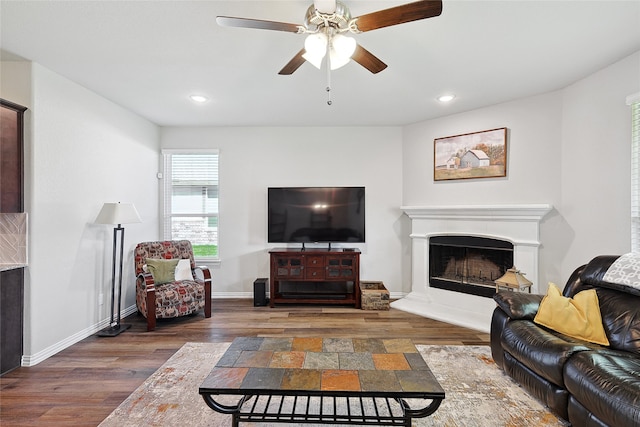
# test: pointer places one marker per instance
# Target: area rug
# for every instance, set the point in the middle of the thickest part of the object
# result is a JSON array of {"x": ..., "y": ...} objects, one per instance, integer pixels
[{"x": 478, "y": 393}]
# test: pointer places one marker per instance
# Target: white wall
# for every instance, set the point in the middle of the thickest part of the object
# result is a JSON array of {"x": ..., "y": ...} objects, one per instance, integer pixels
[
  {"x": 568, "y": 148},
  {"x": 80, "y": 151},
  {"x": 533, "y": 148},
  {"x": 596, "y": 166},
  {"x": 252, "y": 159}
]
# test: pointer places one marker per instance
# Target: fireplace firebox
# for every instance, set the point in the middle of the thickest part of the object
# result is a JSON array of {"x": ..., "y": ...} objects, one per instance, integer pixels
[{"x": 468, "y": 264}]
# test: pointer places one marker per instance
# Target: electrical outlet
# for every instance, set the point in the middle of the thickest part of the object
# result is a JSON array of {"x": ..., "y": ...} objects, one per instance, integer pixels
[{"x": 101, "y": 299}]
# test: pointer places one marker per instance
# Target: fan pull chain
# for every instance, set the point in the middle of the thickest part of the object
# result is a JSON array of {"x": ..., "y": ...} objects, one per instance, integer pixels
[{"x": 329, "y": 101}]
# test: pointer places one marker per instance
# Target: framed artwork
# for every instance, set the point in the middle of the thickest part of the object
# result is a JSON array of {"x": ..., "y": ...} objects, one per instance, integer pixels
[{"x": 471, "y": 155}]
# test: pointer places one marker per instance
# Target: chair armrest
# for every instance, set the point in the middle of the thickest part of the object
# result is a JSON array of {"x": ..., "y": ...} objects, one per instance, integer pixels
[
  {"x": 145, "y": 282},
  {"x": 518, "y": 305},
  {"x": 206, "y": 273}
]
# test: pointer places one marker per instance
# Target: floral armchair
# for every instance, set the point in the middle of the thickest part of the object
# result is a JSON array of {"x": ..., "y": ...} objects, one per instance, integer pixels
[{"x": 167, "y": 287}]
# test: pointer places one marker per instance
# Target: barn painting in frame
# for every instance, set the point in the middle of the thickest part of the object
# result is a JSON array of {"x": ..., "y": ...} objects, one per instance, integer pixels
[{"x": 471, "y": 155}]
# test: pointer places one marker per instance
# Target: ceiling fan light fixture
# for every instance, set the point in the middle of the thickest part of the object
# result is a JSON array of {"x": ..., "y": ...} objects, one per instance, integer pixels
[
  {"x": 316, "y": 61},
  {"x": 342, "y": 48},
  {"x": 336, "y": 60},
  {"x": 315, "y": 46}
]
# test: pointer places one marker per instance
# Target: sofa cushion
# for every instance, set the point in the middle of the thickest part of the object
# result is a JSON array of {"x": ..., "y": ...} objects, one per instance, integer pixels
[
  {"x": 621, "y": 319},
  {"x": 607, "y": 382},
  {"x": 543, "y": 351},
  {"x": 579, "y": 317}
]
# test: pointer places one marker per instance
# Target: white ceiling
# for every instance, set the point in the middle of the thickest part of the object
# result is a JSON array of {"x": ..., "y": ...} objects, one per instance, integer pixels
[{"x": 149, "y": 56}]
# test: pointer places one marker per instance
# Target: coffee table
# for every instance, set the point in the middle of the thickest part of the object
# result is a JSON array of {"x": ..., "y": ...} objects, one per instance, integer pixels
[{"x": 322, "y": 380}]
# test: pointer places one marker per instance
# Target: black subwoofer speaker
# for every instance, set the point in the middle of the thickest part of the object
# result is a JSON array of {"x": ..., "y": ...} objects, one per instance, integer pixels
[{"x": 260, "y": 292}]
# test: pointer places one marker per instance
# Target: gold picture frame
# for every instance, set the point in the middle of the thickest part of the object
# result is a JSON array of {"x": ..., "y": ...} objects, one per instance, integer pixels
[{"x": 471, "y": 155}]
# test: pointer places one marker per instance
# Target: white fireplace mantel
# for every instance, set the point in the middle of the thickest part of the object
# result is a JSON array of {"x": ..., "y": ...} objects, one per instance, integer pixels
[
  {"x": 486, "y": 212},
  {"x": 516, "y": 223}
]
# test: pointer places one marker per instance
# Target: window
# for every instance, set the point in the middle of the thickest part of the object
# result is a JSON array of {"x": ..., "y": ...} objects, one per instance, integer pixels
[
  {"x": 190, "y": 199},
  {"x": 634, "y": 100}
]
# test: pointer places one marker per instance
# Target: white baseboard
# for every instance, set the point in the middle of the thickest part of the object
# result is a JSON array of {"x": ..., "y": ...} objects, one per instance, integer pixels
[
  {"x": 229, "y": 295},
  {"x": 249, "y": 295},
  {"x": 34, "y": 359}
]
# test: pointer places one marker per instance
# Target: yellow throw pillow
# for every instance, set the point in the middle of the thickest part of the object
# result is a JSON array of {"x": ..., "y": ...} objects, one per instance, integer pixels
[
  {"x": 578, "y": 317},
  {"x": 162, "y": 270}
]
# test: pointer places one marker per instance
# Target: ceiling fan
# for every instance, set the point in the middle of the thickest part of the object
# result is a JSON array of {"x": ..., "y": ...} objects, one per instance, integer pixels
[{"x": 325, "y": 23}]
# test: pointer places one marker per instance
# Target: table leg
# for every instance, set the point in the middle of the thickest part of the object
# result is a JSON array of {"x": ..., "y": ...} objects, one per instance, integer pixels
[
  {"x": 225, "y": 409},
  {"x": 418, "y": 413}
]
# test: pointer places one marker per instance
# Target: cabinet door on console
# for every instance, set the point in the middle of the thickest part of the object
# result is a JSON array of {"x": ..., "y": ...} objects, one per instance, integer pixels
[
  {"x": 341, "y": 267},
  {"x": 289, "y": 267}
]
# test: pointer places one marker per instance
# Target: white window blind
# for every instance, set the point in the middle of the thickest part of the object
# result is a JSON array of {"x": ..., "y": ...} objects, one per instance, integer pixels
[
  {"x": 634, "y": 100},
  {"x": 190, "y": 199}
]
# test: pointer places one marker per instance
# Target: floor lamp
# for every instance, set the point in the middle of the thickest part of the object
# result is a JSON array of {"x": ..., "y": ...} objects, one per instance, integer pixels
[{"x": 117, "y": 214}]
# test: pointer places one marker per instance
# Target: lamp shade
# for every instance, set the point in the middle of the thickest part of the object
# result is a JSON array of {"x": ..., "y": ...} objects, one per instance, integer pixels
[{"x": 118, "y": 213}]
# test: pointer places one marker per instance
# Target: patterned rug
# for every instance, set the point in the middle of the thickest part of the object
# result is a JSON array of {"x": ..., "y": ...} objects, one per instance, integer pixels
[{"x": 478, "y": 393}]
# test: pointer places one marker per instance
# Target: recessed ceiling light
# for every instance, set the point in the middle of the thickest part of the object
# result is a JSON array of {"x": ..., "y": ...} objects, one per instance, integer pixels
[
  {"x": 446, "y": 98},
  {"x": 199, "y": 98}
]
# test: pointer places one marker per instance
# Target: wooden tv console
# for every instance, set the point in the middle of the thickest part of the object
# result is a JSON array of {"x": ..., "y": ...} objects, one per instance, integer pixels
[{"x": 317, "y": 276}]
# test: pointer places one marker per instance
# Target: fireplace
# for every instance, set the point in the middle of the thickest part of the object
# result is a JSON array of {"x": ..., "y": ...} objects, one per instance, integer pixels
[
  {"x": 514, "y": 229},
  {"x": 468, "y": 264}
]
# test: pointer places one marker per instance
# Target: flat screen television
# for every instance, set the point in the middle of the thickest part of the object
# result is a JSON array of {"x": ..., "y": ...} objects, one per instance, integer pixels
[{"x": 316, "y": 214}]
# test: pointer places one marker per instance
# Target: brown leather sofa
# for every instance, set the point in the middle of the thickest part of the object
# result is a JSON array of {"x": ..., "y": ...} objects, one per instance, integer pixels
[{"x": 584, "y": 383}]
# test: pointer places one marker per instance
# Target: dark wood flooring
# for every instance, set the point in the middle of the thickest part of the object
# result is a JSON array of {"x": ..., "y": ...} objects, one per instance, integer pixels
[{"x": 84, "y": 383}]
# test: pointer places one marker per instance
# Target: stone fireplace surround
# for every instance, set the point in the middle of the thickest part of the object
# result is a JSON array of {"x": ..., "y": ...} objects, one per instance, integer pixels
[{"x": 518, "y": 224}]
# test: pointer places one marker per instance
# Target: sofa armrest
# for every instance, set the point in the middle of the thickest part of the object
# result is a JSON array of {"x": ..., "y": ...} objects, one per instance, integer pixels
[{"x": 518, "y": 305}]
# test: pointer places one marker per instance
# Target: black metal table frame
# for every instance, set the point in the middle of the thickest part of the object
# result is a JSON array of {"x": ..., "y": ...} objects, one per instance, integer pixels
[{"x": 379, "y": 401}]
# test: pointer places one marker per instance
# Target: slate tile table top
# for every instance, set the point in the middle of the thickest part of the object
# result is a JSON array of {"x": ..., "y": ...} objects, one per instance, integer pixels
[{"x": 332, "y": 367}]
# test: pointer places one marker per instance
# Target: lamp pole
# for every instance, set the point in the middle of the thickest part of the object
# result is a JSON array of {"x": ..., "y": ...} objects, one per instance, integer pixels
[
  {"x": 115, "y": 327},
  {"x": 117, "y": 213}
]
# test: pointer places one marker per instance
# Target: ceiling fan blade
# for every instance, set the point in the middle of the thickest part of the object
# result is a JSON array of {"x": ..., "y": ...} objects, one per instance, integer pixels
[
  {"x": 399, "y": 15},
  {"x": 259, "y": 24},
  {"x": 368, "y": 60},
  {"x": 293, "y": 65}
]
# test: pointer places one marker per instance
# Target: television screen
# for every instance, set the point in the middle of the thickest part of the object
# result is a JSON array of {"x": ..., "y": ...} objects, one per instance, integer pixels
[{"x": 315, "y": 214}]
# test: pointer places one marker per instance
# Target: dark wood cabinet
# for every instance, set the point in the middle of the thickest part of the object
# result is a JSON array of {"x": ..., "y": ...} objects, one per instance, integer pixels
[
  {"x": 11, "y": 163},
  {"x": 315, "y": 276},
  {"x": 11, "y": 201},
  {"x": 11, "y": 300}
]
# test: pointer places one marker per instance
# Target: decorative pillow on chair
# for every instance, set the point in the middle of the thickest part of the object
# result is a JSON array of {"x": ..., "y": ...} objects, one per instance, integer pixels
[
  {"x": 183, "y": 270},
  {"x": 578, "y": 317},
  {"x": 162, "y": 270}
]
